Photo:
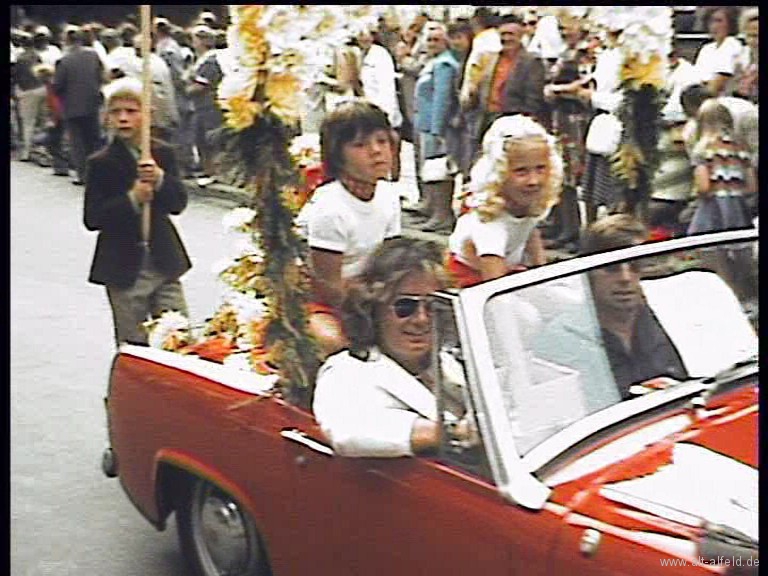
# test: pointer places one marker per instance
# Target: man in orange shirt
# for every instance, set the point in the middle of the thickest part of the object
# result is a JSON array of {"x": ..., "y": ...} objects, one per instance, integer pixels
[{"x": 515, "y": 84}]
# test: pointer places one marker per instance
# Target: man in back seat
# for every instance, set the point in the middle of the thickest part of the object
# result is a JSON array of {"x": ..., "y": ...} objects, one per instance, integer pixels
[{"x": 637, "y": 346}]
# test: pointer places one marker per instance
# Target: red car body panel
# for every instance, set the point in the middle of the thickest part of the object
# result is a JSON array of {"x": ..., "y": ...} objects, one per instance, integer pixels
[
  {"x": 311, "y": 507},
  {"x": 443, "y": 520}
]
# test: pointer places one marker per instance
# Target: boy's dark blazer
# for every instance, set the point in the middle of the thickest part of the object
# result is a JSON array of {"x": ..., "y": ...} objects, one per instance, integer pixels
[{"x": 110, "y": 174}]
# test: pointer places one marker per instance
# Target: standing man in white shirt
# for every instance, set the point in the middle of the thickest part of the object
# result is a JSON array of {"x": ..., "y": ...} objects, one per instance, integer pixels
[
  {"x": 49, "y": 53},
  {"x": 377, "y": 76}
]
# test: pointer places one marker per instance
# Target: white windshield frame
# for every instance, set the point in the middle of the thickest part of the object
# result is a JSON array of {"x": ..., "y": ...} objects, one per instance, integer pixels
[{"x": 514, "y": 474}]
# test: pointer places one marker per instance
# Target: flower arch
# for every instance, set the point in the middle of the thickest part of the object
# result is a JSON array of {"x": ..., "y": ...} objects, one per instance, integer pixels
[{"x": 645, "y": 41}]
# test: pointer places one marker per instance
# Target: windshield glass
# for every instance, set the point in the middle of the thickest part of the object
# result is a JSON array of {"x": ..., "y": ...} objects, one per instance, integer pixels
[{"x": 570, "y": 347}]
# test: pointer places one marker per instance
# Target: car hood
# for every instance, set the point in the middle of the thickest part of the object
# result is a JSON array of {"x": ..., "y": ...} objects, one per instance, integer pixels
[
  {"x": 700, "y": 471},
  {"x": 699, "y": 484}
]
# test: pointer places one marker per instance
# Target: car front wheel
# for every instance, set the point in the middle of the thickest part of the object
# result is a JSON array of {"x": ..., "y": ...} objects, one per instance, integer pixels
[{"x": 217, "y": 536}]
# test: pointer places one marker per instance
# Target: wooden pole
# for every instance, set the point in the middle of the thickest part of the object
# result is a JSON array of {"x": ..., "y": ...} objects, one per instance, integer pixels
[{"x": 146, "y": 107}]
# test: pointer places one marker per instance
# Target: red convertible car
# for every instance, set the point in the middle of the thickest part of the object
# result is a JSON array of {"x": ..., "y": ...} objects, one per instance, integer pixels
[{"x": 574, "y": 473}]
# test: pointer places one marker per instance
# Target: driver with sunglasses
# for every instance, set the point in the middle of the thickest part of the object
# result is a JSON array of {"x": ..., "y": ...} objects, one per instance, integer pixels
[{"x": 377, "y": 398}]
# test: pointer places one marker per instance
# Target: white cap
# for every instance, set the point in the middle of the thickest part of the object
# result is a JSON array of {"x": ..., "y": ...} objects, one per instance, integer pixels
[
  {"x": 122, "y": 85},
  {"x": 203, "y": 30}
]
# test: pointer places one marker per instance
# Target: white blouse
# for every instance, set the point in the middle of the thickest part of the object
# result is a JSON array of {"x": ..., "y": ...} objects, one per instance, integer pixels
[
  {"x": 505, "y": 236},
  {"x": 367, "y": 408},
  {"x": 713, "y": 59}
]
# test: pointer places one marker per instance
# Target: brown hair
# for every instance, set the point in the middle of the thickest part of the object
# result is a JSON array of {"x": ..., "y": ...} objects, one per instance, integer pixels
[
  {"x": 378, "y": 283},
  {"x": 612, "y": 232},
  {"x": 348, "y": 121},
  {"x": 730, "y": 13}
]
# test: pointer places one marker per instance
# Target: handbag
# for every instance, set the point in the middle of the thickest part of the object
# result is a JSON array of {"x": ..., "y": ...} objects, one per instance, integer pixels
[
  {"x": 604, "y": 135},
  {"x": 438, "y": 169}
]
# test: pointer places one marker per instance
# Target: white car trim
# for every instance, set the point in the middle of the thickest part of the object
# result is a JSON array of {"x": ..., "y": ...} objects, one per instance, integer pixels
[
  {"x": 244, "y": 381},
  {"x": 618, "y": 450},
  {"x": 557, "y": 444},
  {"x": 516, "y": 480}
]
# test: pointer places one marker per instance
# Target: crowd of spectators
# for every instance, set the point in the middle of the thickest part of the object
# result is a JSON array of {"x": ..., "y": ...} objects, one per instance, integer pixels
[
  {"x": 440, "y": 84},
  {"x": 58, "y": 80}
]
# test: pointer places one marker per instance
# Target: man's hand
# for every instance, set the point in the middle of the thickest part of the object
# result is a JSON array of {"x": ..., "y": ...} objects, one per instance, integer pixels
[
  {"x": 142, "y": 192},
  {"x": 468, "y": 101},
  {"x": 149, "y": 172}
]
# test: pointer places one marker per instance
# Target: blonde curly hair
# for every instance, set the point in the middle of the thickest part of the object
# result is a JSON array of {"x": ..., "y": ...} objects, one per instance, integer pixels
[{"x": 490, "y": 172}]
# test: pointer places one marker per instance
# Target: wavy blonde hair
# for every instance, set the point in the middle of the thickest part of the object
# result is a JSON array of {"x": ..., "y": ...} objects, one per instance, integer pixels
[{"x": 490, "y": 172}]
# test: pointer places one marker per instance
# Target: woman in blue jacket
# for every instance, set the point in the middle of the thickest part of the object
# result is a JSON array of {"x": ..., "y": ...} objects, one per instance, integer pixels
[{"x": 436, "y": 102}]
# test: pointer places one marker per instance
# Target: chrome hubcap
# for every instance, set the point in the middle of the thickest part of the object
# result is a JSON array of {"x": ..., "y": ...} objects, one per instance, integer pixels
[{"x": 222, "y": 533}]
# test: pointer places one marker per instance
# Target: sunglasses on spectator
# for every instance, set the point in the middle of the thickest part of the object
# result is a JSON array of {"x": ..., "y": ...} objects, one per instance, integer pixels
[{"x": 406, "y": 306}]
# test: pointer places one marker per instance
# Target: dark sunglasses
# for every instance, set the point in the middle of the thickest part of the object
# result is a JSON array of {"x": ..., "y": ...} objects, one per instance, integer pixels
[{"x": 406, "y": 306}]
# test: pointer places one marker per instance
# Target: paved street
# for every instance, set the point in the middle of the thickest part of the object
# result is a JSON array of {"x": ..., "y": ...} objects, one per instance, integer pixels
[{"x": 67, "y": 519}]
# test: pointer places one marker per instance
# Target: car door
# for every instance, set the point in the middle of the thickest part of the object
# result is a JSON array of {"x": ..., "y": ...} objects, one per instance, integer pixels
[{"x": 407, "y": 515}]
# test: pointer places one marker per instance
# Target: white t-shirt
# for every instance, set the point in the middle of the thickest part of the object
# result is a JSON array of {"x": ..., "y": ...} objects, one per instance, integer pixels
[
  {"x": 50, "y": 55},
  {"x": 98, "y": 47},
  {"x": 377, "y": 76},
  {"x": 338, "y": 221},
  {"x": 684, "y": 75},
  {"x": 505, "y": 236},
  {"x": 713, "y": 59}
]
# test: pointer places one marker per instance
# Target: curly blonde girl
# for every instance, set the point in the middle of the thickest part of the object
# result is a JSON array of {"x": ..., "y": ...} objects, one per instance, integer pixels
[{"x": 491, "y": 170}]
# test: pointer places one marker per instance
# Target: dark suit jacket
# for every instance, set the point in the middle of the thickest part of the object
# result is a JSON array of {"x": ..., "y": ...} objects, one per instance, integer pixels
[
  {"x": 77, "y": 82},
  {"x": 110, "y": 174},
  {"x": 523, "y": 90}
]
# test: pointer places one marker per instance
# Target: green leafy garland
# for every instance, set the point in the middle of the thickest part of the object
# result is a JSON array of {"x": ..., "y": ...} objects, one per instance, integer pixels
[
  {"x": 258, "y": 156},
  {"x": 638, "y": 156}
]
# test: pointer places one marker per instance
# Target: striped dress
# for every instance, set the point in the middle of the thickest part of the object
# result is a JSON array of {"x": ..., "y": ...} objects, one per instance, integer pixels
[{"x": 728, "y": 164}]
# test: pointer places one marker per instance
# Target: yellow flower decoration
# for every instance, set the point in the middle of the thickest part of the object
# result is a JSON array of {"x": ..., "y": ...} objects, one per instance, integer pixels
[
  {"x": 327, "y": 24},
  {"x": 250, "y": 13},
  {"x": 256, "y": 45},
  {"x": 240, "y": 112},
  {"x": 280, "y": 22},
  {"x": 223, "y": 322},
  {"x": 638, "y": 73},
  {"x": 282, "y": 91},
  {"x": 289, "y": 59},
  {"x": 626, "y": 163},
  {"x": 292, "y": 199}
]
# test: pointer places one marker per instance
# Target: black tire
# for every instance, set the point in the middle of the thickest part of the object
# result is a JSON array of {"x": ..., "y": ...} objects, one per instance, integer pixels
[{"x": 217, "y": 535}]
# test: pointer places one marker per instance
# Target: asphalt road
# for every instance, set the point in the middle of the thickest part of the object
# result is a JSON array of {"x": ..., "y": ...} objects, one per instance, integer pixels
[{"x": 67, "y": 518}]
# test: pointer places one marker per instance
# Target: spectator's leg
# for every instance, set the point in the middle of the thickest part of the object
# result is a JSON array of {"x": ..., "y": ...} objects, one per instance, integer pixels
[
  {"x": 76, "y": 146},
  {"x": 168, "y": 296},
  {"x": 201, "y": 142},
  {"x": 396, "y": 147},
  {"x": 93, "y": 139},
  {"x": 55, "y": 135},
  {"x": 129, "y": 311},
  {"x": 29, "y": 109},
  {"x": 186, "y": 140},
  {"x": 17, "y": 128}
]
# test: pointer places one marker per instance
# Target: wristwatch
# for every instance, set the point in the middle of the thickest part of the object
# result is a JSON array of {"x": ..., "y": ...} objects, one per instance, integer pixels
[{"x": 455, "y": 440}]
